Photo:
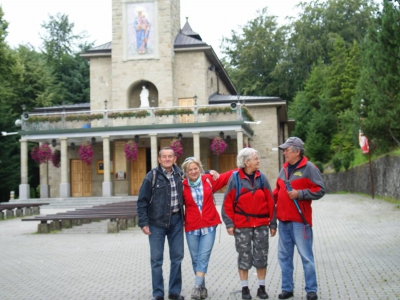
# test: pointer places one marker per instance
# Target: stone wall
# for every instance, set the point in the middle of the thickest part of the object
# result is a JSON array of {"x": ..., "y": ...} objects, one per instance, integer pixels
[{"x": 386, "y": 178}]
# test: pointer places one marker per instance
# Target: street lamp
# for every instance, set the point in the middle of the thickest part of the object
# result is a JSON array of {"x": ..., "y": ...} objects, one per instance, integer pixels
[
  {"x": 195, "y": 99},
  {"x": 105, "y": 104}
]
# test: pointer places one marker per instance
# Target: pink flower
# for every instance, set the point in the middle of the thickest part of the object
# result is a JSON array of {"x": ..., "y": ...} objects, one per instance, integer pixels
[
  {"x": 218, "y": 146},
  {"x": 131, "y": 150},
  {"x": 86, "y": 153},
  {"x": 41, "y": 154},
  {"x": 177, "y": 147},
  {"x": 56, "y": 158}
]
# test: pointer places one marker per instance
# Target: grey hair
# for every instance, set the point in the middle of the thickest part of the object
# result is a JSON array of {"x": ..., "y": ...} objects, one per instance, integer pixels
[
  {"x": 190, "y": 160},
  {"x": 165, "y": 148},
  {"x": 244, "y": 155},
  {"x": 295, "y": 149}
]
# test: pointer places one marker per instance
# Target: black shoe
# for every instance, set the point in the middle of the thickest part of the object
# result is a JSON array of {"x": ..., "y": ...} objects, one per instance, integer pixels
[
  {"x": 261, "y": 293},
  {"x": 285, "y": 295},
  {"x": 157, "y": 298},
  {"x": 175, "y": 297},
  {"x": 246, "y": 293},
  {"x": 312, "y": 296}
]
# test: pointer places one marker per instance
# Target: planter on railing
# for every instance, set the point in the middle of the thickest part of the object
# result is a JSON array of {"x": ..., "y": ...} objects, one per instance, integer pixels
[
  {"x": 50, "y": 119},
  {"x": 173, "y": 112},
  {"x": 215, "y": 110},
  {"x": 86, "y": 118},
  {"x": 246, "y": 114},
  {"x": 129, "y": 114}
]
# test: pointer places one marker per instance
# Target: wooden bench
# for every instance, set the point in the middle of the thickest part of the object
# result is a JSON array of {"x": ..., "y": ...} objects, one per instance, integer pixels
[
  {"x": 21, "y": 209},
  {"x": 121, "y": 215}
]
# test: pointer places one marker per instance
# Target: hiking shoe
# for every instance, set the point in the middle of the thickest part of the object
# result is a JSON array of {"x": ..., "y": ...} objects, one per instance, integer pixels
[
  {"x": 196, "y": 293},
  {"x": 312, "y": 296},
  {"x": 246, "y": 293},
  {"x": 203, "y": 292},
  {"x": 261, "y": 293},
  {"x": 285, "y": 295}
]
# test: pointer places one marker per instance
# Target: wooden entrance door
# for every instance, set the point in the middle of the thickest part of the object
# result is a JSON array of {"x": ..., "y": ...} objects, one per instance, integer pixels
[
  {"x": 227, "y": 162},
  {"x": 81, "y": 179},
  {"x": 187, "y": 102},
  {"x": 138, "y": 171}
]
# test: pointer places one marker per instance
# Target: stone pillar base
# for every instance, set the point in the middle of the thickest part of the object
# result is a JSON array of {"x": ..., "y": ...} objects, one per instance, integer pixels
[
  {"x": 28, "y": 211},
  {"x": 65, "y": 190},
  {"x": 122, "y": 224},
  {"x": 76, "y": 222},
  {"x": 107, "y": 189},
  {"x": 112, "y": 227},
  {"x": 86, "y": 221},
  {"x": 43, "y": 228},
  {"x": 55, "y": 225},
  {"x": 24, "y": 191},
  {"x": 9, "y": 214},
  {"x": 36, "y": 210},
  {"x": 130, "y": 223},
  {"x": 19, "y": 212},
  {"x": 66, "y": 224},
  {"x": 44, "y": 191}
]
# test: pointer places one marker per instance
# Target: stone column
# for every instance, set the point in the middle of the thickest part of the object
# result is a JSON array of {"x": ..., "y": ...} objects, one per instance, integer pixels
[
  {"x": 44, "y": 181},
  {"x": 246, "y": 140},
  {"x": 154, "y": 152},
  {"x": 196, "y": 144},
  {"x": 65, "y": 189},
  {"x": 239, "y": 134},
  {"x": 24, "y": 189},
  {"x": 107, "y": 184}
]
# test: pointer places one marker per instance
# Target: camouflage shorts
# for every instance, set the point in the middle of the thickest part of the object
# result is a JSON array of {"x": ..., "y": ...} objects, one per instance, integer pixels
[{"x": 252, "y": 246}]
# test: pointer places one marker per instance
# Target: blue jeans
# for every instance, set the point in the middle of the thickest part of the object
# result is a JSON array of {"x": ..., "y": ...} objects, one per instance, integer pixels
[
  {"x": 291, "y": 234},
  {"x": 200, "y": 247},
  {"x": 174, "y": 235}
]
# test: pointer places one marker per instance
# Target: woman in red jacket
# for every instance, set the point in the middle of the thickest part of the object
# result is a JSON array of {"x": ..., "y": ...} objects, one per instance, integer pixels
[
  {"x": 247, "y": 215},
  {"x": 201, "y": 218}
]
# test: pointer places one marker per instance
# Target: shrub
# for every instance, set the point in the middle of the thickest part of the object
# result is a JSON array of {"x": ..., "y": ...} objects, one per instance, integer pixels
[{"x": 319, "y": 165}]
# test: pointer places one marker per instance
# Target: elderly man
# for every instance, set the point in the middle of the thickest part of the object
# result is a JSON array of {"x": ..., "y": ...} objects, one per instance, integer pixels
[
  {"x": 160, "y": 212},
  {"x": 299, "y": 182}
]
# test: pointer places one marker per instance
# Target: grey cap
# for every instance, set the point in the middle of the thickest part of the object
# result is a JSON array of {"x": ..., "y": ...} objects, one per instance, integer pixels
[{"x": 292, "y": 141}]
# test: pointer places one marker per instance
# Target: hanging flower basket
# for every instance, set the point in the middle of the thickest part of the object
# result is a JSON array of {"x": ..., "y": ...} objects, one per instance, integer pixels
[
  {"x": 41, "y": 154},
  {"x": 131, "y": 150},
  {"x": 56, "y": 158},
  {"x": 176, "y": 145},
  {"x": 86, "y": 153},
  {"x": 218, "y": 146}
]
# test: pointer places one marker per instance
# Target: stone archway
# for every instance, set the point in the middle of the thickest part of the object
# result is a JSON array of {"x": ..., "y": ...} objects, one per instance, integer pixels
[{"x": 135, "y": 90}]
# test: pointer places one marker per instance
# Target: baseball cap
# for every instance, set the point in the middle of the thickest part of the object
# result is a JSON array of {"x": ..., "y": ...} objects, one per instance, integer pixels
[{"x": 292, "y": 141}]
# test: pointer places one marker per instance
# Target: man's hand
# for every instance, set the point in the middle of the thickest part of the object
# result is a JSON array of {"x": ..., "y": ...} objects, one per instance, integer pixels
[
  {"x": 214, "y": 174},
  {"x": 294, "y": 194},
  {"x": 230, "y": 230},
  {"x": 272, "y": 231},
  {"x": 146, "y": 230}
]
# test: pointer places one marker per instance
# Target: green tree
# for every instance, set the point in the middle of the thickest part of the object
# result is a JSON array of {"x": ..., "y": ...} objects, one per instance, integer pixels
[
  {"x": 379, "y": 81},
  {"x": 252, "y": 54}
]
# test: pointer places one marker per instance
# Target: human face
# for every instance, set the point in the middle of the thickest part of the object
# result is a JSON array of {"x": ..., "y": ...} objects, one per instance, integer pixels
[
  {"x": 193, "y": 172},
  {"x": 252, "y": 164},
  {"x": 167, "y": 159},
  {"x": 290, "y": 156}
]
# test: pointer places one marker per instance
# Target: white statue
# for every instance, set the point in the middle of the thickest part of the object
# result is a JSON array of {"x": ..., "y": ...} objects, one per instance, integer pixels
[{"x": 144, "y": 97}]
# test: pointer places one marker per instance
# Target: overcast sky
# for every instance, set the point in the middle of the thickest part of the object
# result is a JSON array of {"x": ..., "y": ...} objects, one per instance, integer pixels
[{"x": 212, "y": 19}]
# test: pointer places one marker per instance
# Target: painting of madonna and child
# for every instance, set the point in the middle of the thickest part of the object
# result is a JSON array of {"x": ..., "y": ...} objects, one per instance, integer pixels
[{"x": 140, "y": 29}]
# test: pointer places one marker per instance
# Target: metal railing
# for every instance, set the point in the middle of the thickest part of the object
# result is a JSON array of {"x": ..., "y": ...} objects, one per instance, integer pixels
[{"x": 134, "y": 117}]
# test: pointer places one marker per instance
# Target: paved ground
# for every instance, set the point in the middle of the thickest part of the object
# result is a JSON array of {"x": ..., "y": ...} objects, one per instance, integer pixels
[{"x": 356, "y": 241}]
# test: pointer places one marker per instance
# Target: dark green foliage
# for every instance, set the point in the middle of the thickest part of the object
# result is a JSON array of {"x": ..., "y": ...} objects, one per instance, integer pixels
[
  {"x": 320, "y": 166},
  {"x": 337, "y": 163},
  {"x": 347, "y": 160}
]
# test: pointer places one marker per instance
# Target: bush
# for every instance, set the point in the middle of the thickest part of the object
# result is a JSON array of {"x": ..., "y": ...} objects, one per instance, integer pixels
[
  {"x": 319, "y": 165},
  {"x": 347, "y": 160},
  {"x": 337, "y": 163}
]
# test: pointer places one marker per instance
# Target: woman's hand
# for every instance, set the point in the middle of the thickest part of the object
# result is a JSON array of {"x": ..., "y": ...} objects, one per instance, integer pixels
[
  {"x": 214, "y": 174},
  {"x": 230, "y": 230},
  {"x": 272, "y": 231}
]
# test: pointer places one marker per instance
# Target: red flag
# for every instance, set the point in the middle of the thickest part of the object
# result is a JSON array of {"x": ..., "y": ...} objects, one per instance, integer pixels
[{"x": 363, "y": 140}]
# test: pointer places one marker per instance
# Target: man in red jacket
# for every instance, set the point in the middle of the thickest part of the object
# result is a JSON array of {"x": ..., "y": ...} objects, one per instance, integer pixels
[{"x": 299, "y": 182}]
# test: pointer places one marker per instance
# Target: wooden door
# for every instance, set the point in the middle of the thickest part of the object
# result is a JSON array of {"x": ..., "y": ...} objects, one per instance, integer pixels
[
  {"x": 189, "y": 103},
  {"x": 81, "y": 179},
  {"x": 138, "y": 171},
  {"x": 226, "y": 162}
]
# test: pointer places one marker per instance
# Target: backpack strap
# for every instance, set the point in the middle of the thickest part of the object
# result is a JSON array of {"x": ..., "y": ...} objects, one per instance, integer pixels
[
  {"x": 153, "y": 182},
  {"x": 208, "y": 181}
]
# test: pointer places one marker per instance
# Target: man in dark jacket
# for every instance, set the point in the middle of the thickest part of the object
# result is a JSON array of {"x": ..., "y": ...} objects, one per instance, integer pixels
[
  {"x": 160, "y": 212},
  {"x": 299, "y": 182}
]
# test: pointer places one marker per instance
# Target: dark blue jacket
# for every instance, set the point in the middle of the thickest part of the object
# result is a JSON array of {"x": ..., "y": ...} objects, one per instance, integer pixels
[{"x": 156, "y": 210}]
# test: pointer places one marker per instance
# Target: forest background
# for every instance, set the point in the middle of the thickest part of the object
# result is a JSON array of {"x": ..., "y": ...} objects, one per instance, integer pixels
[{"x": 337, "y": 63}]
